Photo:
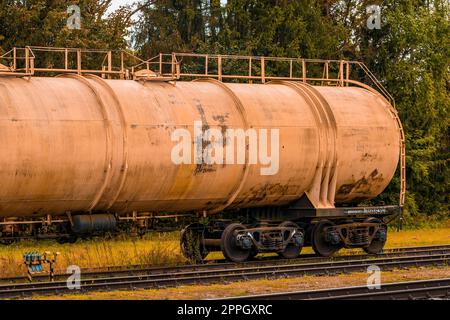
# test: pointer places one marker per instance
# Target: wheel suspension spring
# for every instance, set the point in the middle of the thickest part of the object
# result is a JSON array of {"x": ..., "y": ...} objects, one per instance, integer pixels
[{"x": 359, "y": 236}]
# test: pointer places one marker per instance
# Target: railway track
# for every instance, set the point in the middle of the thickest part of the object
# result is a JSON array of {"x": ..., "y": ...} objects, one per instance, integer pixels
[
  {"x": 220, "y": 264},
  {"x": 420, "y": 290},
  {"x": 220, "y": 272}
]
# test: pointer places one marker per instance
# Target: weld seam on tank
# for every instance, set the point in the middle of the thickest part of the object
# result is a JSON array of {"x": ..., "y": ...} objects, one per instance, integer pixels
[
  {"x": 241, "y": 109},
  {"x": 318, "y": 117},
  {"x": 119, "y": 109},
  {"x": 109, "y": 142},
  {"x": 328, "y": 196},
  {"x": 326, "y": 176}
]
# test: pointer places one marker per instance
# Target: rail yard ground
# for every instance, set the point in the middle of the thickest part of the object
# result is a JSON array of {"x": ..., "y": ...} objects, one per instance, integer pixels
[
  {"x": 252, "y": 287},
  {"x": 161, "y": 249}
]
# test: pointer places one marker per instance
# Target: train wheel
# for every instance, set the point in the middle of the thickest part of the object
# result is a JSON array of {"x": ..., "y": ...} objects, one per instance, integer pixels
[
  {"x": 379, "y": 240},
  {"x": 229, "y": 246},
  {"x": 192, "y": 244},
  {"x": 320, "y": 243},
  {"x": 292, "y": 251}
]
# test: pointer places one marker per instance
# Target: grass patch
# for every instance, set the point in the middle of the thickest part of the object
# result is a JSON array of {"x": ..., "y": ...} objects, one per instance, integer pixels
[
  {"x": 153, "y": 249},
  {"x": 422, "y": 221},
  {"x": 159, "y": 249}
]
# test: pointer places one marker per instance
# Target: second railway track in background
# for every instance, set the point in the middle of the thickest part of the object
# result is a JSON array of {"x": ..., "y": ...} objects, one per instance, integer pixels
[
  {"x": 411, "y": 290},
  {"x": 215, "y": 272}
]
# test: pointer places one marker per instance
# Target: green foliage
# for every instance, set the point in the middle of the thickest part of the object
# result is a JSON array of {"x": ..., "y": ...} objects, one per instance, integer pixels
[
  {"x": 43, "y": 23},
  {"x": 413, "y": 59}
]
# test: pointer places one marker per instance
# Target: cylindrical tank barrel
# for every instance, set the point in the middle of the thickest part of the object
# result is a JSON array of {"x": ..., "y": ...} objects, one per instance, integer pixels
[{"x": 84, "y": 144}]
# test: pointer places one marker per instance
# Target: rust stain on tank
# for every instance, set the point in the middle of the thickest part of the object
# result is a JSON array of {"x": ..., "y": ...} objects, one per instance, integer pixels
[
  {"x": 203, "y": 167},
  {"x": 261, "y": 193},
  {"x": 221, "y": 118},
  {"x": 363, "y": 185},
  {"x": 368, "y": 157}
]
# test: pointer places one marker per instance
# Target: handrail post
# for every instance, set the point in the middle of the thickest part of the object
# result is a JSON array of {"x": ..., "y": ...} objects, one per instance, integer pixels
[
  {"x": 14, "y": 58},
  {"x": 347, "y": 73},
  {"x": 290, "y": 68},
  {"x": 304, "y": 70},
  {"x": 160, "y": 64},
  {"x": 250, "y": 80},
  {"x": 27, "y": 61},
  {"x": 263, "y": 70},
  {"x": 79, "y": 61},
  {"x": 341, "y": 73},
  {"x": 172, "y": 65},
  {"x": 109, "y": 64},
  {"x": 122, "y": 66},
  {"x": 206, "y": 64},
  {"x": 219, "y": 67},
  {"x": 32, "y": 65},
  {"x": 66, "y": 59}
]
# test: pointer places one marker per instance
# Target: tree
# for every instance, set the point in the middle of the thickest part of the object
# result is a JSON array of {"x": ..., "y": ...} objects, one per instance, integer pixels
[
  {"x": 411, "y": 54},
  {"x": 171, "y": 25},
  {"x": 44, "y": 23}
]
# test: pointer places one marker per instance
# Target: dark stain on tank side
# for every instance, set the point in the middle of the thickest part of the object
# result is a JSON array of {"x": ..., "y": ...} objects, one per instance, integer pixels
[
  {"x": 363, "y": 185},
  {"x": 368, "y": 157},
  {"x": 203, "y": 167},
  {"x": 221, "y": 118},
  {"x": 200, "y": 110},
  {"x": 223, "y": 129},
  {"x": 374, "y": 173},
  {"x": 260, "y": 193},
  {"x": 172, "y": 99}
]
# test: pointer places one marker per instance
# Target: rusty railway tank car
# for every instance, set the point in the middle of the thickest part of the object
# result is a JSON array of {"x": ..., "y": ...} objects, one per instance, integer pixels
[{"x": 265, "y": 167}]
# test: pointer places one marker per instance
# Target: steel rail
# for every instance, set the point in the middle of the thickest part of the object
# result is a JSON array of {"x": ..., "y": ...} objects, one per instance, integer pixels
[
  {"x": 152, "y": 280},
  {"x": 423, "y": 289}
]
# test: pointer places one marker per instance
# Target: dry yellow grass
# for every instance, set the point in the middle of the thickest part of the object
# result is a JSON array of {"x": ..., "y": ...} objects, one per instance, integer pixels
[
  {"x": 154, "y": 249},
  {"x": 419, "y": 237},
  {"x": 158, "y": 249}
]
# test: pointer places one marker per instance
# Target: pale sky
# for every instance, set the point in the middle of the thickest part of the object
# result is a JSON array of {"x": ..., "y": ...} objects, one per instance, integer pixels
[{"x": 117, "y": 3}]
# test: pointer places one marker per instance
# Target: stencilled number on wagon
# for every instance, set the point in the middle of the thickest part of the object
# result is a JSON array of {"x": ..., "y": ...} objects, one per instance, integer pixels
[{"x": 74, "y": 21}]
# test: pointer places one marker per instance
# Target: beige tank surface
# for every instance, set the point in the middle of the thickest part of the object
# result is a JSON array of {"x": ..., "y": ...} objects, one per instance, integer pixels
[{"x": 87, "y": 144}]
